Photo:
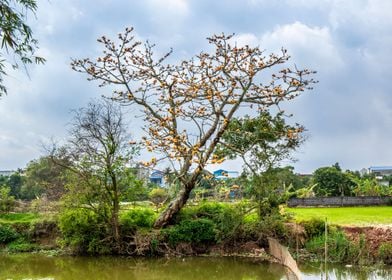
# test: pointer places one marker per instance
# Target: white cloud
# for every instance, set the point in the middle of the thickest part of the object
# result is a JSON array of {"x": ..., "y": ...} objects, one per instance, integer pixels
[
  {"x": 366, "y": 14},
  {"x": 169, "y": 9},
  {"x": 313, "y": 47},
  {"x": 246, "y": 39},
  {"x": 310, "y": 47}
]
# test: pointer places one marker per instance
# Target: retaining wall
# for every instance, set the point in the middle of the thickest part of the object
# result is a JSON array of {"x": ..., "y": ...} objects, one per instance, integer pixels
[{"x": 340, "y": 201}]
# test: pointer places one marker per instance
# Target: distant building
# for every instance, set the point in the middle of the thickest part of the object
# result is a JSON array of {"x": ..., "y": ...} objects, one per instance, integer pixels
[
  {"x": 363, "y": 171},
  {"x": 6, "y": 172},
  {"x": 225, "y": 174},
  {"x": 157, "y": 177},
  {"x": 380, "y": 171}
]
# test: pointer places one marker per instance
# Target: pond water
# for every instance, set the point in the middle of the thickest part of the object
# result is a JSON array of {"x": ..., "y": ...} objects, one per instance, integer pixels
[{"x": 35, "y": 266}]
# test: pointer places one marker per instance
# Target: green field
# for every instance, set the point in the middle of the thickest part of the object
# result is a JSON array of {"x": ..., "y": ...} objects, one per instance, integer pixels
[{"x": 348, "y": 216}]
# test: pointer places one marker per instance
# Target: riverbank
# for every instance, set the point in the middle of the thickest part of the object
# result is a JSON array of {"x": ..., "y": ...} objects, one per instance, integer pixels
[{"x": 210, "y": 229}]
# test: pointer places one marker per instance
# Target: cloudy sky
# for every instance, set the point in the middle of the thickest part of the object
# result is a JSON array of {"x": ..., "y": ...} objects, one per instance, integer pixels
[{"x": 348, "y": 114}]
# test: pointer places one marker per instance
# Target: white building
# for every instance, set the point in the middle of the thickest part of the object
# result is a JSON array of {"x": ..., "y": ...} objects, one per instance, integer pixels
[{"x": 6, "y": 172}]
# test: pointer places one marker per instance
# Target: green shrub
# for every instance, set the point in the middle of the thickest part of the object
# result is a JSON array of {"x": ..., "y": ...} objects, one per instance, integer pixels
[
  {"x": 227, "y": 218},
  {"x": 83, "y": 231},
  {"x": 137, "y": 218},
  {"x": 250, "y": 227},
  {"x": 7, "y": 234},
  {"x": 192, "y": 231},
  {"x": 358, "y": 252},
  {"x": 314, "y": 227},
  {"x": 271, "y": 226},
  {"x": 158, "y": 195},
  {"x": 20, "y": 246},
  {"x": 385, "y": 252},
  {"x": 337, "y": 243},
  {"x": 208, "y": 210}
]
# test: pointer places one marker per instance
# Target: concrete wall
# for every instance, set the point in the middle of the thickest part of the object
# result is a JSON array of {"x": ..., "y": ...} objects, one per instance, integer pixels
[
  {"x": 282, "y": 254},
  {"x": 339, "y": 201}
]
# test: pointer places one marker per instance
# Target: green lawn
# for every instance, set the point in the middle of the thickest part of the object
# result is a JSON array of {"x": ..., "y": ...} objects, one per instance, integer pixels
[
  {"x": 355, "y": 216},
  {"x": 15, "y": 218}
]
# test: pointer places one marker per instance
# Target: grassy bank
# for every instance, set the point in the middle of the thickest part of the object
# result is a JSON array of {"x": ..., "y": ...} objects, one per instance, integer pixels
[
  {"x": 208, "y": 228},
  {"x": 18, "y": 218},
  {"x": 346, "y": 216}
]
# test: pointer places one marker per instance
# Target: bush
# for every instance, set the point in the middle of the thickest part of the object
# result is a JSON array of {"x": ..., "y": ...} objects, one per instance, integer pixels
[
  {"x": 83, "y": 231},
  {"x": 192, "y": 231},
  {"x": 271, "y": 226},
  {"x": 158, "y": 195},
  {"x": 385, "y": 252},
  {"x": 7, "y": 234},
  {"x": 20, "y": 246},
  {"x": 226, "y": 218},
  {"x": 137, "y": 218},
  {"x": 314, "y": 227},
  {"x": 250, "y": 227},
  {"x": 339, "y": 247}
]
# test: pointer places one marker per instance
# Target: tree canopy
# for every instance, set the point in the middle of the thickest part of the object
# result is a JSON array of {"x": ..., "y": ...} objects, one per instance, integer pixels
[
  {"x": 98, "y": 153},
  {"x": 331, "y": 181},
  {"x": 261, "y": 142},
  {"x": 187, "y": 107},
  {"x": 16, "y": 36}
]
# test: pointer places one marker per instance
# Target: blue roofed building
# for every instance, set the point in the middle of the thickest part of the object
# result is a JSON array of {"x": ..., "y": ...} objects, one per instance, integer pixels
[
  {"x": 157, "y": 177},
  {"x": 225, "y": 174}
]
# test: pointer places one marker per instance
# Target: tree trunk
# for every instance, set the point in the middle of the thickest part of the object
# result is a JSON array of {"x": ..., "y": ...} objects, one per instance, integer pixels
[
  {"x": 175, "y": 206},
  {"x": 115, "y": 214},
  {"x": 116, "y": 224}
]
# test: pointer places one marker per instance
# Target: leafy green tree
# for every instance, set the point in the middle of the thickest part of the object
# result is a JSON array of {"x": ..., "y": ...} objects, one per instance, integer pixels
[
  {"x": 262, "y": 142},
  {"x": 3, "y": 180},
  {"x": 306, "y": 191},
  {"x": 15, "y": 182},
  {"x": 331, "y": 181},
  {"x": 370, "y": 187},
  {"x": 16, "y": 36},
  {"x": 286, "y": 177},
  {"x": 134, "y": 188},
  {"x": 7, "y": 201},
  {"x": 44, "y": 177}
]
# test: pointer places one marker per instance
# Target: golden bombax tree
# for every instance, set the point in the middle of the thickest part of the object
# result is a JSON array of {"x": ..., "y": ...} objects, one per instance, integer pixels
[{"x": 187, "y": 107}]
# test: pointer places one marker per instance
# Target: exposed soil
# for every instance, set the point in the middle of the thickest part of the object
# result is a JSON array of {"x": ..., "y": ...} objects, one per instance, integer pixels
[
  {"x": 374, "y": 236},
  {"x": 45, "y": 234}
]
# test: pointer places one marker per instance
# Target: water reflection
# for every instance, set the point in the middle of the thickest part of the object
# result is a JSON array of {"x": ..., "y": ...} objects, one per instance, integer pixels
[
  {"x": 341, "y": 272},
  {"x": 31, "y": 266},
  {"x": 67, "y": 268}
]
